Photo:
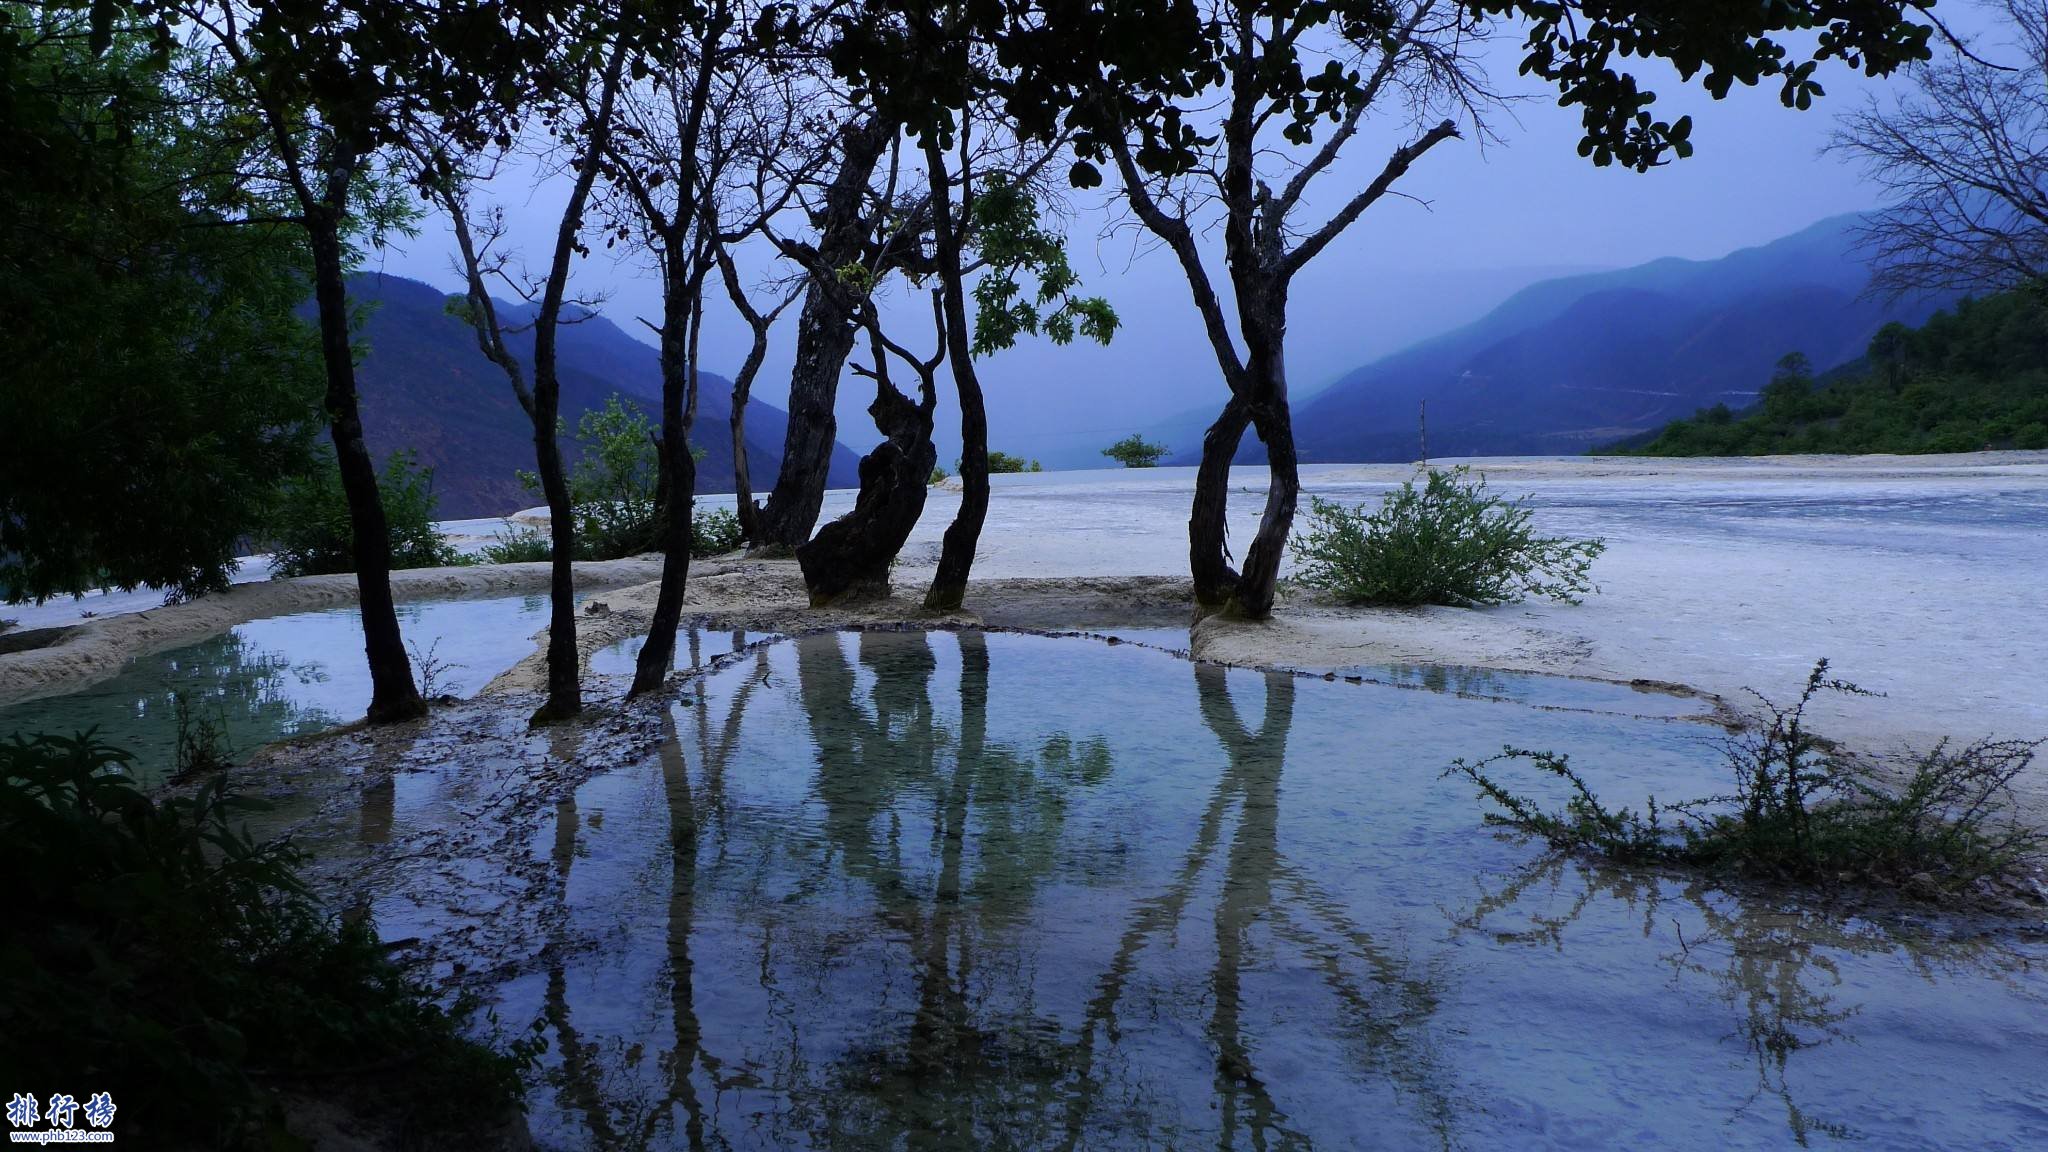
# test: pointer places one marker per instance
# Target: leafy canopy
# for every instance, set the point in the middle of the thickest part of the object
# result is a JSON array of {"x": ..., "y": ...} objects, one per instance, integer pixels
[{"x": 160, "y": 385}]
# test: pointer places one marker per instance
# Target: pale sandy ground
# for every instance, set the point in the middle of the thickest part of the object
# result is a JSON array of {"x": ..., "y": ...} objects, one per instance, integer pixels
[{"x": 1920, "y": 577}]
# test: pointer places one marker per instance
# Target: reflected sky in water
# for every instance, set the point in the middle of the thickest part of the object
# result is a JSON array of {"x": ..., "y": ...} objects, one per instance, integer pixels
[
  {"x": 268, "y": 679},
  {"x": 898, "y": 890}
]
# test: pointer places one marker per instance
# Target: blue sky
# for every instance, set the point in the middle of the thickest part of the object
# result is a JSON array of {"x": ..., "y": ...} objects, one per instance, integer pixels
[{"x": 1483, "y": 221}]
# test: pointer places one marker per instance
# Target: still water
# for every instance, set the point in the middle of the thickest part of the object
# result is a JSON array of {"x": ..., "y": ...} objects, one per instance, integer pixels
[
  {"x": 939, "y": 891},
  {"x": 284, "y": 676}
]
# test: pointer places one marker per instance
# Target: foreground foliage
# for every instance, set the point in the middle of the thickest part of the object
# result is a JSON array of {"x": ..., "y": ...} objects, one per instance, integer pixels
[
  {"x": 1448, "y": 542},
  {"x": 159, "y": 384},
  {"x": 310, "y": 533},
  {"x": 1802, "y": 811},
  {"x": 1970, "y": 379},
  {"x": 169, "y": 958}
]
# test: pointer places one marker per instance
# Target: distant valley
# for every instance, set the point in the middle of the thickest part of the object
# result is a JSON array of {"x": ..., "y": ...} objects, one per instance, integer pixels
[{"x": 1573, "y": 363}]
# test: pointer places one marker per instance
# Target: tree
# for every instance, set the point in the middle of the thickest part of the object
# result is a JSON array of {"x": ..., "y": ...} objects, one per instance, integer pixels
[
  {"x": 1134, "y": 451},
  {"x": 1241, "y": 104},
  {"x": 841, "y": 212},
  {"x": 851, "y": 556},
  {"x": 1255, "y": 173},
  {"x": 330, "y": 83},
  {"x": 657, "y": 163},
  {"x": 1962, "y": 162},
  {"x": 161, "y": 386},
  {"x": 940, "y": 70},
  {"x": 585, "y": 76}
]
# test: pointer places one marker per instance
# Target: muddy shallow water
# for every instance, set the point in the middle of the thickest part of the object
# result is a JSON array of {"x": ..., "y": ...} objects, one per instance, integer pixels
[{"x": 967, "y": 890}]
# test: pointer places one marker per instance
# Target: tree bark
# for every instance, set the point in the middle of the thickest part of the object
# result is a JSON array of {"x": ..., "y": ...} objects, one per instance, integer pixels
[
  {"x": 850, "y": 557},
  {"x": 681, "y": 306},
  {"x": 1208, "y": 527},
  {"x": 826, "y": 329},
  {"x": 393, "y": 695},
  {"x": 956, "y": 557},
  {"x": 1257, "y": 583}
]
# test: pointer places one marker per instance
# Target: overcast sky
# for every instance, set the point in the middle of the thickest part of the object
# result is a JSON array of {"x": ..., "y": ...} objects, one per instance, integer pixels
[{"x": 1483, "y": 221}]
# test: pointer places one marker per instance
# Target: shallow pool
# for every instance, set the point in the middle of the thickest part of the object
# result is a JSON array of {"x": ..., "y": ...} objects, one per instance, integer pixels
[
  {"x": 283, "y": 676},
  {"x": 907, "y": 890}
]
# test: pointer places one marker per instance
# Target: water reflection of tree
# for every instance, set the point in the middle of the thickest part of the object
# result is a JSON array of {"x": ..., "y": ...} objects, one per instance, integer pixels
[
  {"x": 226, "y": 680},
  {"x": 1380, "y": 1013},
  {"x": 594, "y": 1079},
  {"x": 1773, "y": 959},
  {"x": 950, "y": 836},
  {"x": 995, "y": 819}
]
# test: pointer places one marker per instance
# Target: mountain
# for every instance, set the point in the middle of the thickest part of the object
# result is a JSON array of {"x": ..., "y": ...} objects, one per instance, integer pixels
[
  {"x": 1572, "y": 363},
  {"x": 427, "y": 387}
]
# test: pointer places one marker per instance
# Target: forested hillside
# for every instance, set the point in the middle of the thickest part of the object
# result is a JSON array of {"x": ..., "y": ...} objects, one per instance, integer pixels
[{"x": 1972, "y": 378}]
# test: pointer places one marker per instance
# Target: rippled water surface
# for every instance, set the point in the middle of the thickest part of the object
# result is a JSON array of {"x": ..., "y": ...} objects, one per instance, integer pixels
[{"x": 905, "y": 890}]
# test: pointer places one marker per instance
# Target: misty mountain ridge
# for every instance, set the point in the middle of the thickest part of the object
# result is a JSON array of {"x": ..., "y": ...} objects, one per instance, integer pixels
[
  {"x": 427, "y": 386},
  {"x": 1571, "y": 363}
]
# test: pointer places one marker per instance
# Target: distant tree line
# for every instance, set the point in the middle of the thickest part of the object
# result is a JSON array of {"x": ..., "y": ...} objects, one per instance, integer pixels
[{"x": 1970, "y": 379}]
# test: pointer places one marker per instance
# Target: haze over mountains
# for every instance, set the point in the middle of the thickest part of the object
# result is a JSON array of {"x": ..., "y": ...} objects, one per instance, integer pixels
[
  {"x": 1573, "y": 363},
  {"x": 427, "y": 387}
]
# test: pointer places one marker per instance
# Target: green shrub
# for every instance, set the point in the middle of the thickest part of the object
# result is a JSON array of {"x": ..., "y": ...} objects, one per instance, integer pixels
[
  {"x": 310, "y": 533},
  {"x": 1002, "y": 463},
  {"x": 1447, "y": 542},
  {"x": 1801, "y": 810},
  {"x": 612, "y": 487},
  {"x": 518, "y": 544},
  {"x": 180, "y": 965},
  {"x": 939, "y": 474},
  {"x": 1134, "y": 451},
  {"x": 713, "y": 532}
]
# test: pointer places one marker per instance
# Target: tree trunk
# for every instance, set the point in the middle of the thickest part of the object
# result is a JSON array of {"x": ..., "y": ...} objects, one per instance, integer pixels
[
  {"x": 393, "y": 695},
  {"x": 678, "y": 412},
  {"x": 850, "y": 557},
  {"x": 956, "y": 558},
  {"x": 748, "y": 512},
  {"x": 1256, "y": 584},
  {"x": 825, "y": 333},
  {"x": 1208, "y": 528},
  {"x": 565, "y": 693}
]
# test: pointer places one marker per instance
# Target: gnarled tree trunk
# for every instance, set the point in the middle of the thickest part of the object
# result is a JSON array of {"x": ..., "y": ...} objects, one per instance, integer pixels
[
  {"x": 826, "y": 329},
  {"x": 850, "y": 557},
  {"x": 1208, "y": 528}
]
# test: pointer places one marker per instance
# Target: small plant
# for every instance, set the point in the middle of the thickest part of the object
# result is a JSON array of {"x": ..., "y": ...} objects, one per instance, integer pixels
[
  {"x": 1801, "y": 810},
  {"x": 310, "y": 532},
  {"x": 518, "y": 544},
  {"x": 1134, "y": 451},
  {"x": 202, "y": 744},
  {"x": 430, "y": 669},
  {"x": 1446, "y": 542},
  {"x": 939, "y": 474},
  {"x": 713, "y": 532}
]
